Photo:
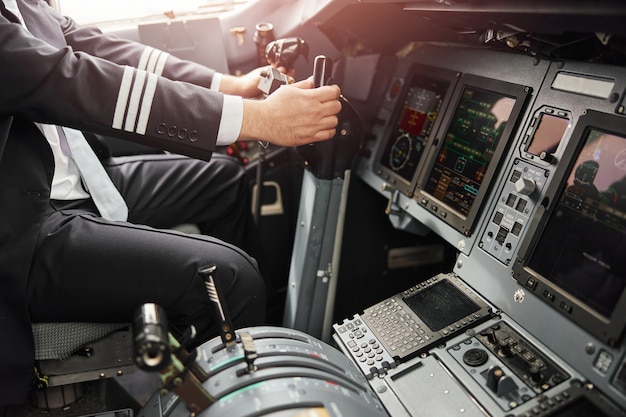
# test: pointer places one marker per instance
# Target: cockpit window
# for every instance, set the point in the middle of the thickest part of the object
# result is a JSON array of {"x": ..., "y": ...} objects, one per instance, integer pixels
[{"x": 120, "y": 12}]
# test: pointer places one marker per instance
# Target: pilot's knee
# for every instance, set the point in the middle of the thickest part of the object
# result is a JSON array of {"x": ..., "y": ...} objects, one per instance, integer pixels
[{"x": 227, "y": 168}]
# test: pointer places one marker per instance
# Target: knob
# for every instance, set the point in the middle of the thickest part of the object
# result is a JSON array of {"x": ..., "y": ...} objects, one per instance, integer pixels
[
  {"x": 490, "y": 335},
  {"x": 535, "y": 373},
  {"x": 500, "y": 383},
  {"x": 387, "y": 187},
  {"x": 525, "y": 186},
  {"x": 493, "y": 377},
  {"x": 506, "y": 385},
  {"x": 475, "y": 357},
  {"x": 547, "y": 157},
  {"x": 505, "y": 348}
]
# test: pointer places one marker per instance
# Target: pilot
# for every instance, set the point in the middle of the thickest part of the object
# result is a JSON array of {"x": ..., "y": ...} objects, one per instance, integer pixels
[{"x": 70, "y": 248}]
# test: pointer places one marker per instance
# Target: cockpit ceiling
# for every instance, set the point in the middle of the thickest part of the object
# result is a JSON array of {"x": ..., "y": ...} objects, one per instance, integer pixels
[{"x": 590, "y": 31}]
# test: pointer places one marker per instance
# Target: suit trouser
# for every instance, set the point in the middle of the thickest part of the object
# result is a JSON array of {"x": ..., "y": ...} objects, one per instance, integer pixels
[{"x": 90, "y": 269}]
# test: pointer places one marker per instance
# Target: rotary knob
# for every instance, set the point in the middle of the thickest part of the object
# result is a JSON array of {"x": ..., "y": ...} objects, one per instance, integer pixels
[
  {"x": 504, "y": 347},
  {"x": 525, "y": 186},
  {"x": 535, "y": 374},
  {"x": 475, "y": 357}
]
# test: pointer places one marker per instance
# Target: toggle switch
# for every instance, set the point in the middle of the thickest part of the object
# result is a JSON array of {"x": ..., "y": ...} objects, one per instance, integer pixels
[{"x": 500, "y": 383}]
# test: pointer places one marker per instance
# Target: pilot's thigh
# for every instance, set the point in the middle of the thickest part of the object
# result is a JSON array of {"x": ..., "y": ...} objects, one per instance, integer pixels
[
  {"x": 166, "y": 190},
  {"x": 93, "y": 270}
]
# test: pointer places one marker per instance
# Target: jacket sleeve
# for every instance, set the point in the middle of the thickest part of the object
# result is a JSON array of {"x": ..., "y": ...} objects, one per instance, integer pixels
[
  {"x": 57, "y": 84},
  {"x": 125, "y": 52}
]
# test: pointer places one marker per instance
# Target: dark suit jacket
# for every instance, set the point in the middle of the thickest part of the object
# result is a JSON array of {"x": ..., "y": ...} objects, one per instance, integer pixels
[{"x": 60, "y": 73}]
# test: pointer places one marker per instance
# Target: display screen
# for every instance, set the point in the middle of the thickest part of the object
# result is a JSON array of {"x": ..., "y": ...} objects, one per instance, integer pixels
[
  {"x": 469, "y": 147},
  {"x": 583, "y": 246},
  {"x": 548, "y": 134},
  {"x": 441, "y": 305},
  {"x": 414, "y": 123}
]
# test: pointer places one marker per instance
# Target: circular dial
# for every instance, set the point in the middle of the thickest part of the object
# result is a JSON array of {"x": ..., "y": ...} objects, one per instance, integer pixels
[{"x": 400, "y": 152}]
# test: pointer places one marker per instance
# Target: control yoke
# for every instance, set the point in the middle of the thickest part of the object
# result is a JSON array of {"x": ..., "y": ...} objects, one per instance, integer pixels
[
  {"x": 284, "y": 52},
  {"x": 281, "y": 53},
  {"x": 330, "y": 159}
]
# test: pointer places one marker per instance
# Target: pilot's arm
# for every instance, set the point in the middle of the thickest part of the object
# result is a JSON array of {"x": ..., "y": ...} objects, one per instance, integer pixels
[
  {"x": 52, "y": 83},
  {"x": 55, "y": 84}
]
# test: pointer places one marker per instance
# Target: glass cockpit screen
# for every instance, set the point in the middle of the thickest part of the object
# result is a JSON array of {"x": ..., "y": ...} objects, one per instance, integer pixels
[
  {"x": 574, "y": 259},
  {"x": 406, "y": 142},
  {"x": 413, "y": 124},
  {"x": 469, "y": 148},
  {"x": 583, "y": 247}
]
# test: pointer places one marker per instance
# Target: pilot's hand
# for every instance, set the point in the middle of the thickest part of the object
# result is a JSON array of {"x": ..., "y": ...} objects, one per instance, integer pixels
[
  {"x": 293, "y": 115},
  {"x": 246, "y": 85}
]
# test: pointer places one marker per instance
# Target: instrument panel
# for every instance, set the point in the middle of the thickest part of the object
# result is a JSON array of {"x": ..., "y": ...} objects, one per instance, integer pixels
[
  {"x": 423, "y": 99},
  {"x": 457, "y": 177},
  {"x": 502, "y": 156},
  {"x": 574, "y": 260}
]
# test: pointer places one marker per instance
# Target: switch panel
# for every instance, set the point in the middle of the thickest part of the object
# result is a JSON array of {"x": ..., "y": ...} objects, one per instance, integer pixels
[
  {"x": 511, "y": 215},
  {"x": 509, "y": 368}
]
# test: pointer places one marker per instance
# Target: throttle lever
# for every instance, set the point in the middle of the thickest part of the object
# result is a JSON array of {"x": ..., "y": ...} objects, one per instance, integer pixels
[
  {"x": 330, "y": 159},
  {"x": 320, "y": 157},
  {"x": 322, "y": 71}
]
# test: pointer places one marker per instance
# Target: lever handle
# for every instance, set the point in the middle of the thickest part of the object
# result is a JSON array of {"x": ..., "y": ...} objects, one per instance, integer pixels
[
  {"x": 227, "y": 332},
  {"x": 322, "y": 70}
]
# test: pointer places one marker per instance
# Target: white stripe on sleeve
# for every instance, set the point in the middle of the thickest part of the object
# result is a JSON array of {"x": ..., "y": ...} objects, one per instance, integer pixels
[
  {"x": 152, "y": 62},
  {"x": 122, "y": 98},
  {"x": 146, "y": 104},
  {"x": 135, "y": 99},
  {"x": 143, "y": 61},
  {"x": 160, "y": 65}
]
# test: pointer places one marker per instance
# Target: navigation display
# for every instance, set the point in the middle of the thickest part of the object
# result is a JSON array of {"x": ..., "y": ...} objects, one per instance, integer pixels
[
  {"x": 414, "y": 122},
  {"x": 469, "y": 147},
  {"x": 579, "y": 254},
  {"x": 589, "y": 223},
  {"x": 475, "y": 138},
  {"x": 406, "y": 143}
]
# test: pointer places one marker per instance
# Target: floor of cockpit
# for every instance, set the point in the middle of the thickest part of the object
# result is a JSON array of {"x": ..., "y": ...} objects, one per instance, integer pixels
[{"x": 121, "y": 396}]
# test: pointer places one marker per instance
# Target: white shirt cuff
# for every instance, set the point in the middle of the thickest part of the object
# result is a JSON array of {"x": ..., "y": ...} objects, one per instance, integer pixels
[
  {"x": 232, "y": 118},
  {"x": 216, "y": 81}
]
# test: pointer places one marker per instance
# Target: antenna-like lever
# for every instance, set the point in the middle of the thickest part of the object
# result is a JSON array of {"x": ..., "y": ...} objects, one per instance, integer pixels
[{"x": 227, "y": 333}]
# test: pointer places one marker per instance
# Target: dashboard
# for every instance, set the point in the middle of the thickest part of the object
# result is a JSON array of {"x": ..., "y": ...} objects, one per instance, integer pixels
[{"x": 516, "y": 162}]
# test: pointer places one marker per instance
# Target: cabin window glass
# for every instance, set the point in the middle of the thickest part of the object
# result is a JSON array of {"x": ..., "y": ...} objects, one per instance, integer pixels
[{"x": 120, "y": 12}]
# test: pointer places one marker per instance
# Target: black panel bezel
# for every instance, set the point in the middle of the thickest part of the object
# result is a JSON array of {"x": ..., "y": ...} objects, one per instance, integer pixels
[
  {"x": 611, "y": 330},
  {"x": 465, "y": 223},
  {"x": 425, "y": 72}
]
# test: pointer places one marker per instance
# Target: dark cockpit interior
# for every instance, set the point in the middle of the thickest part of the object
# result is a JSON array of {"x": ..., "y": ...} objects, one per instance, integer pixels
[{"x": 458, "y": 248}]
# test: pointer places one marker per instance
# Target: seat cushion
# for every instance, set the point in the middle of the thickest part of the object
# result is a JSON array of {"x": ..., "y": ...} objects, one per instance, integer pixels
[{"x": 60, "y": 340}]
